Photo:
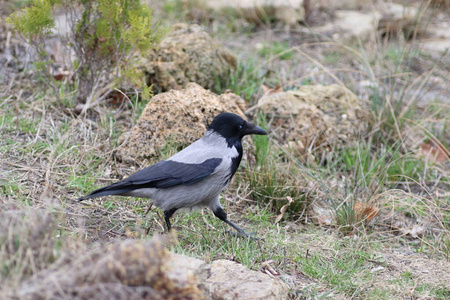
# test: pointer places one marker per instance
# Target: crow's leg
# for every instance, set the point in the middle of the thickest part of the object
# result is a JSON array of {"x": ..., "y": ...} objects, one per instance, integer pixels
[
  {"x": 150, "y": 207},
  {"x": 221, "y": 214},
  {"x": 167, "y": 214}
]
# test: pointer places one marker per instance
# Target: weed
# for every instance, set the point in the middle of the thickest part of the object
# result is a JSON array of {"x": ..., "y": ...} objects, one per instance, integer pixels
[
  {"x": 381, "y": 165},
  {"x": 438, "y": 292},
  {"x": 333, "y": 57},
  {"x": 280, "y": 49},
  {"x": 83, "y": 183},
  {"x": 342, "y": 271},
  {"x": 10, "y": 187},
  {"x": 207, "y": 237},
  {"x": 262, "y": 143},
  {"x": 275, "y": 186},
  {"x": 246, "y": 79},
  {"x": 26, "y": 239}
]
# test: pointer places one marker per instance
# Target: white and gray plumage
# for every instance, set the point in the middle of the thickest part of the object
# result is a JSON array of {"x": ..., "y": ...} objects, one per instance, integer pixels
[{"x": 195, "y": 176}]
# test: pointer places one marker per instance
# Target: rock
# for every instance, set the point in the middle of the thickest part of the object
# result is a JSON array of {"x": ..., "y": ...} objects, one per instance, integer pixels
[
  {"x": 377, "y": 269},
  {"x": 187, "y": 54},
  {"x": 316, "y": 115},
  {"x": 188, "y": 271},
  {"x": 128, "y": 269},
  {"x": 230, "y": 280},
  {"x": 394, "y": 11},
  {"x": 398, "y": 19},
  {"x": 223, "y": 279},
  {"x": 290, "y": 12},
  {"x": 387, "y": 19},
  {"x": 436, "y": 44},
  {"x": 349, "y": 25},
  {"x": 438, "y": 34},
  {"x": 175, "y": 117}
]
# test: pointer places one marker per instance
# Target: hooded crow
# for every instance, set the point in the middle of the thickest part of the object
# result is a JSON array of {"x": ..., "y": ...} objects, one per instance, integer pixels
[{"x": 195, "y": 176}]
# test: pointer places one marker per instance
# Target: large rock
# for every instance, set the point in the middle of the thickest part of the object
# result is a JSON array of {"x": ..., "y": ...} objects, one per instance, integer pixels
[
  {"x": 315, "y": 115},
  {"x": 125, "y": 270},
  {"x": 176, "y": 117},
  {"x": 349, "y": 25},
  {"x": 188, "y": 54},
  {"x": 230, "y": 280},
  {"x": 386, "y": 19},
  {"x": 438, "y": 33}
]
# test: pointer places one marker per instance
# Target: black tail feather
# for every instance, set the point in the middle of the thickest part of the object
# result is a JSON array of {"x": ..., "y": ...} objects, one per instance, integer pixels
[{"x": 104, "y": 192}]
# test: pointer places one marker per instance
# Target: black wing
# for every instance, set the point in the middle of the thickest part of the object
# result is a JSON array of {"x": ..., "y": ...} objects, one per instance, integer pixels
[{"x": 161, "y": 175}]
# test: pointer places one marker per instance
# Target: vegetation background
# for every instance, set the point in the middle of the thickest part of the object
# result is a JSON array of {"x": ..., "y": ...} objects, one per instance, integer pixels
[{"x": 369, "y": 220}]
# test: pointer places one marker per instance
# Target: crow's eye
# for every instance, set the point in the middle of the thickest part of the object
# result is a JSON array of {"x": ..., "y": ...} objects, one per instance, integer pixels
[{"x": 240, "y": 127}]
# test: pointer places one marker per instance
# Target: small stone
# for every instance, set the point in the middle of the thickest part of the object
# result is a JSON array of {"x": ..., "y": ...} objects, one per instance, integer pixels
[
  {"x": 377, "y": 269},
  {"x": 230, "y": 280}
]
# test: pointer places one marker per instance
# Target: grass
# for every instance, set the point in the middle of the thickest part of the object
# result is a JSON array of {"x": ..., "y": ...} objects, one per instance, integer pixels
[
  {"x": 215, "y": 242},
  {"x": 282, "y": 50},
  {"x": 342, "y": 272},
  {"x": 49, "y": 158},
  {"x": 11, "y": 188},
  {"x": 380, "y": 165},
  {"x": 246, "y": 80}
]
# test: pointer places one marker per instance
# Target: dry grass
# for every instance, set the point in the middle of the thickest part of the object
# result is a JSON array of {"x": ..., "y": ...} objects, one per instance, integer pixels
[{"x": 27, "y": 241}]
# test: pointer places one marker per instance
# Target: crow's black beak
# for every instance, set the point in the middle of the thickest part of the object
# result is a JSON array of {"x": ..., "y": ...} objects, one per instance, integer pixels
[{"x": 250, "y": 128}]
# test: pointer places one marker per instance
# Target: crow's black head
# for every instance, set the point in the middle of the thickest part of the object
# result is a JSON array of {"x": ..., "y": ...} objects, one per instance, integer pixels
[{"x": 233, "y": 127}]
